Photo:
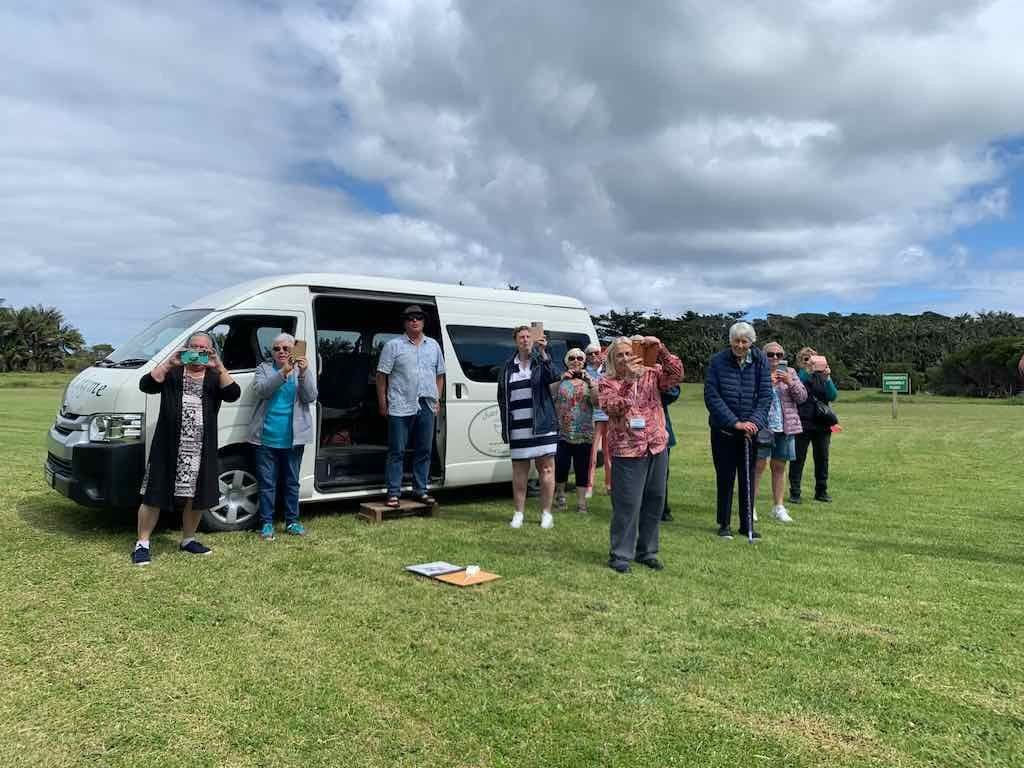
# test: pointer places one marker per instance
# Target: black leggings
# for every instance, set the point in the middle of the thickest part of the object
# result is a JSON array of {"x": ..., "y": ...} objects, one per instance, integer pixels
[
  {"x": 578, "y": 455},
  {"x": 819, "y": 440}
]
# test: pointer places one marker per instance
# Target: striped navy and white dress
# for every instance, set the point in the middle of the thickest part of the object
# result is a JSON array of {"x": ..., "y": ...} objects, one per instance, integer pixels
[{"x": 522, "y": 442}]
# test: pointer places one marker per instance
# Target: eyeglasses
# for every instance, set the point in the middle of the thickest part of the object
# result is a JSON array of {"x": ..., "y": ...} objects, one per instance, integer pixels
[
  {"x": 414, "y": 317},
  {"x": 595, "y": 352},
  {"x": 779, "y": 355},
  {"x": 280, "y": 348},
  {"x": 575, "y": 357}
]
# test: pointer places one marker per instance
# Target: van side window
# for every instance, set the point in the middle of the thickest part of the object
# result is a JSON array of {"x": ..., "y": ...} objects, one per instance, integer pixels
[
  {"x": 245, "y": 340},
  {"x": 483, "y": 351}
]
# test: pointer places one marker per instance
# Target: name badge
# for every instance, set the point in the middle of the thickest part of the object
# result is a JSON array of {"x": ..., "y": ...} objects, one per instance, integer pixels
[{"x": 637, "y": 422}]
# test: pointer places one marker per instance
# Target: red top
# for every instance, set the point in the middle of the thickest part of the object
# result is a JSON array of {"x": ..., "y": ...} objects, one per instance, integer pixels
[{"x": 625, "y": 399}]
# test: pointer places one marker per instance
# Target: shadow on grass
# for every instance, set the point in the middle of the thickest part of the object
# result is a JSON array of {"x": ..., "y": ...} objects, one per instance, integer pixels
[{"x": 46, "y": 512}]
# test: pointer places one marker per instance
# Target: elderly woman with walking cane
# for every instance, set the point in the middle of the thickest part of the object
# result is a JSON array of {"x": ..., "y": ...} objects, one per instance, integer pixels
[{"x": 738, "y": 394}]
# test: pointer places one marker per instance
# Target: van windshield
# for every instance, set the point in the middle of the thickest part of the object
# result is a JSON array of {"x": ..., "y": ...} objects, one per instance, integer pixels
[{"x": 140, "y": 348}]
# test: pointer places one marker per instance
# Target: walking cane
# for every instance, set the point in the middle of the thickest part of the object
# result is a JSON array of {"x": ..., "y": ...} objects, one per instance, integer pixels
[{"x": 750, "y": 502}]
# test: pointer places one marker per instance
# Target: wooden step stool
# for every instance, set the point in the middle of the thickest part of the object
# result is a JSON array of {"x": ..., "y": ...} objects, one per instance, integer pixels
[{"x": 378, "y": 511}]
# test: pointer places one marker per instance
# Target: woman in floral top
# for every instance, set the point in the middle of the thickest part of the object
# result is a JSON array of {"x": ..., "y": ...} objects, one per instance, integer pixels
[
  {"x": 574, "y": 396},
  {"x": 637, "y": 439}
]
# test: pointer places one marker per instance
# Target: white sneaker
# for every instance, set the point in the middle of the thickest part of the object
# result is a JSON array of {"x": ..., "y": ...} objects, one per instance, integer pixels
[
  {"x": 517, "y": 520},
  {"x": 754, "y": 510},
  {"x": 781, "y": 514},
  {"x": 547, "y": 520},
  {"x": 590, "y": 492}
]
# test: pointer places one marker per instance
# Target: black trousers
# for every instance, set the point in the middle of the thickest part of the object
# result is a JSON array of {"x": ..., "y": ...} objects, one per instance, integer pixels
[
  {"x": 819, "y": 440},
  {"x": 733, "y": 454},
  {"x": 577, "y": 455}
]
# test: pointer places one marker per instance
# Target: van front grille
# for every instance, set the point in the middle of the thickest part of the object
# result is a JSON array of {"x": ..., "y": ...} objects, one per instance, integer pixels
[{"x": 59, "y": 465}]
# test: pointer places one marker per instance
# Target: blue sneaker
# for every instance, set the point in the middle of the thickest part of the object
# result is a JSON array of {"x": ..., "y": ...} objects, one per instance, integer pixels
[
  {"x": 140, "y": 556},
  {"x": 195, "y": 548},
  {"x": 267, "y": 532},
  {"x": 295, "y": 529}
]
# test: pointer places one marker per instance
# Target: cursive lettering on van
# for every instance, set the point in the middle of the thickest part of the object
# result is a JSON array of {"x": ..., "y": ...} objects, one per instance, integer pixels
[{"x": 81, "y": 387}]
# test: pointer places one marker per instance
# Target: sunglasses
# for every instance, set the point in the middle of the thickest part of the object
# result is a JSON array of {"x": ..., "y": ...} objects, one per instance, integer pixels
[
  {"x": 280, "y": 348},
  {"x": 779, "y": 355},
  {"x": 575, "y": 357},
  {"x": 414, "y": 317}
]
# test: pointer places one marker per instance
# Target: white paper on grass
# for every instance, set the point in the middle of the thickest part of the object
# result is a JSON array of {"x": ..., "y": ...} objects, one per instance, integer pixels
[{"x": 437, "y": 568}]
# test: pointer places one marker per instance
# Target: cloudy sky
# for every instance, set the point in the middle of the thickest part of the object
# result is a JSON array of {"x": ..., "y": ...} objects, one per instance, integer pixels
[{"x": 850, "y": 155}]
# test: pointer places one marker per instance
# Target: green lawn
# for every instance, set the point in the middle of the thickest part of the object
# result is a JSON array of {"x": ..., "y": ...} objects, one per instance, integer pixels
[{"x": 883, "y": 629}]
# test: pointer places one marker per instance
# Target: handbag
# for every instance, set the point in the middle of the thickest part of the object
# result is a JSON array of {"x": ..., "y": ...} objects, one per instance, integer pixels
[
  {"x": 765, "y": 436},
  {"x": 824, "y": 416}
]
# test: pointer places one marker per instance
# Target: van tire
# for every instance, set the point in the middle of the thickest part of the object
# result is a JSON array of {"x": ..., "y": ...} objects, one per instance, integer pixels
[{"x": 238, "y": 508}]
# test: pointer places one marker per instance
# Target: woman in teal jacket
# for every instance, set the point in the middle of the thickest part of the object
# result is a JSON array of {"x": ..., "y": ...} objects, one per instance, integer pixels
[{"x": 820, "y": 387}]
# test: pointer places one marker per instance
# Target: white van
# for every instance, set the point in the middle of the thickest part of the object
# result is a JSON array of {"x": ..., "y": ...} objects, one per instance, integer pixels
[{"x": 97, "y": 447}]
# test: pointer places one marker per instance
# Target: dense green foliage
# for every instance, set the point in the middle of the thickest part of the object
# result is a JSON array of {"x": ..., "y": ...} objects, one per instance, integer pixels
[
  {"x": 983, "y": 370},
  {"x": 36, "y": 339},
  {"x": 860, "y": 347}
]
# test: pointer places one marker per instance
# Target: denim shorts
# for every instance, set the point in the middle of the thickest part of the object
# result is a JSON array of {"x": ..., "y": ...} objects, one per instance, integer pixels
[{"x": 783, "y": 448}]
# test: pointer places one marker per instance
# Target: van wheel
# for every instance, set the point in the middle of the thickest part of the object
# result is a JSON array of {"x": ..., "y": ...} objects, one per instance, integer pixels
[{"x": 238, "y": 507}]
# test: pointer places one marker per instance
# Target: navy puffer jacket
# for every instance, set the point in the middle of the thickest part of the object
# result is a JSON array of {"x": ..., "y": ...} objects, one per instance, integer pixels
[{"x": 733, "y": 394}]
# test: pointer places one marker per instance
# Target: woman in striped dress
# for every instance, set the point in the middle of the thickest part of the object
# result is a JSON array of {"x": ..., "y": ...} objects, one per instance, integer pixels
[{"x": 528, "y": 422}]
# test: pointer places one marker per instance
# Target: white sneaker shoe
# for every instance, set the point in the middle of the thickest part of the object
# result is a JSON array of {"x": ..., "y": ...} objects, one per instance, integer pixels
[
  {"x": 590, "y": 492},
  {"x": 782, "y": 515},
  {"x": 547, "y": 520},
  {"x": 754, "y": 510},
  {"x": 517, "y": 520}
]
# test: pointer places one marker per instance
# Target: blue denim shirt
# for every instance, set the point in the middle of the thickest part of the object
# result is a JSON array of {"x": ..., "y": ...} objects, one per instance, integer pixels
[{"x": 412, "y": 371}]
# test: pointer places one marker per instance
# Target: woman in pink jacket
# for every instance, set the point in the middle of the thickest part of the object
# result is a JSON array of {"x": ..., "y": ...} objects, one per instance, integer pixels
[{"x": 783, "y": 424}]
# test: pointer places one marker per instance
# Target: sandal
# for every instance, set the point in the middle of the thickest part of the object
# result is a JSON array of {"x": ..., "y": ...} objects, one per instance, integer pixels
[
  {"x": 426, "y": 498},
  {"x": 392, "y": 502},
  {"x": 582, "y": 508}
]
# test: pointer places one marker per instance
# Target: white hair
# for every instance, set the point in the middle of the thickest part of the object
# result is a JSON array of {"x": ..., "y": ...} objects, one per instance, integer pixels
[
  {"x": 742, "y": 330},
  {"x": 593, "y": 347},
  {"x": 284, "y": 337},
  {"x": 571, "y": 351}
]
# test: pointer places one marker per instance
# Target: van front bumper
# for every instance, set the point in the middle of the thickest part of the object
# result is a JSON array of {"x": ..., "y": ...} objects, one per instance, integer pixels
[{"x": 94, "y": 474}]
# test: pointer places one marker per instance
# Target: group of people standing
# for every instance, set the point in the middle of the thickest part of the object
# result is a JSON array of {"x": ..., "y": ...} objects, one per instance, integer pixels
[{"x": 761, "y": 414}]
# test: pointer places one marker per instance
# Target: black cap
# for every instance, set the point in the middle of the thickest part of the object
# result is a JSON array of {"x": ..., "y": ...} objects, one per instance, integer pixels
[{"x": 415, "y": 309}]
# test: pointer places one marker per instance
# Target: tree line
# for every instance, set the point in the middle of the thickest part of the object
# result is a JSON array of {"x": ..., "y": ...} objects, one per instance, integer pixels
[{"x": 968, "y": 354}]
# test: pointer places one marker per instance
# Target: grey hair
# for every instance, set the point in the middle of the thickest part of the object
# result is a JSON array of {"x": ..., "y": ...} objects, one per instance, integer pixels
[
  {"x": 284, "y": 337},
  {"x": 742, "y": 330},
  {"x": 773, "y": 344},
  {"x": 207, "y": 336},
  {"x": 611, "y": 368},
  {"x": 574, "y": 349},
  {"x": 593, "y": 347}
]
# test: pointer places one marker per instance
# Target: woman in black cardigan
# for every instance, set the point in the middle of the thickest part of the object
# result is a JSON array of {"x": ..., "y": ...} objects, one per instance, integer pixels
[{"x": 182, "y": 467}]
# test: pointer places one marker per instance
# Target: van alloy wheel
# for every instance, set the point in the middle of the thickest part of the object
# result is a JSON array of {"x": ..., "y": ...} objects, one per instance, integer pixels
[{"x": 239, "y": 500}]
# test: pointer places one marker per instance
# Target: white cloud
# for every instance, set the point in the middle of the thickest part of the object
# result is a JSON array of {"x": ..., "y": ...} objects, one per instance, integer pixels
[{"x": 666, "y": 154}]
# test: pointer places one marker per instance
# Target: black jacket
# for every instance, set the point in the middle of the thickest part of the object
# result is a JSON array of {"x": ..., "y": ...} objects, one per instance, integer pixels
[{"x": 163, "y": 454}]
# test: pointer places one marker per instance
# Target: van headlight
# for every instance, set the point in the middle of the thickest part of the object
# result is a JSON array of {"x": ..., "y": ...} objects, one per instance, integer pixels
[{"x": 115, "y": 427}]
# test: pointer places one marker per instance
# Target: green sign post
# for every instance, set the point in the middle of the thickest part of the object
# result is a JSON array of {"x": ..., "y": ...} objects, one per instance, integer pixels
[{"x": 898, "y": 384}]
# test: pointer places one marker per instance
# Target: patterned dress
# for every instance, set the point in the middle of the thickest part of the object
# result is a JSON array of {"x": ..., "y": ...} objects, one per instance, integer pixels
[{"x": 190, "y": 449}]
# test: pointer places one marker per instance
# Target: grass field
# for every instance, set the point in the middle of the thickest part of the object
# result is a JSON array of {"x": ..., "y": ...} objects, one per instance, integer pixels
[{"x": 884, "y": 629}]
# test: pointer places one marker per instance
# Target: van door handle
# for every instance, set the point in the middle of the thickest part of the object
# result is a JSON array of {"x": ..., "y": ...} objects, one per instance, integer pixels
[{"x": 458, "y": 391}]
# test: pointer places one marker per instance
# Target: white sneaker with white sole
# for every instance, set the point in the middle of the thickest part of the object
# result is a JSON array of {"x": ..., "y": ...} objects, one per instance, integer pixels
[
  {"x": 547, "y": 520},
  {"x": 754, "y": 510},
  {"x": 781, "y": 514},
  {"x": 517, "y": 520}
]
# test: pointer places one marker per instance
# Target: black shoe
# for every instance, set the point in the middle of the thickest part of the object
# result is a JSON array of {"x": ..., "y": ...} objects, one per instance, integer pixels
[
  {"x": 666, "y": 516},
  {"x": 619, "y": 566},
  {"x": 653, "y": 563},
  {"x": 725, "y": 532},
  {"x": 195, "y": 548},
  {"x": 794, "y": 498},
  {"x": 823, "y": 496},
  {"x": 755, "y": 536},
  {"x": 140, "y": 556}
]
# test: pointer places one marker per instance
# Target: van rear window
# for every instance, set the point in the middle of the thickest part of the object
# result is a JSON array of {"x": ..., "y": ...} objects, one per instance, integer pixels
[{"x": 482, "y": 351}]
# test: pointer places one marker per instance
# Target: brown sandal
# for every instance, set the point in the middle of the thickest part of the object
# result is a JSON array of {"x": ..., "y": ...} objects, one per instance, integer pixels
[{"x": 392, "y": 502}]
